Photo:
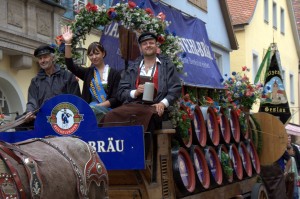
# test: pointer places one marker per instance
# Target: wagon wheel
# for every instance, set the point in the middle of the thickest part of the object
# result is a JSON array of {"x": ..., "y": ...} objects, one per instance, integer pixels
[{"x": 259, "y": 192}]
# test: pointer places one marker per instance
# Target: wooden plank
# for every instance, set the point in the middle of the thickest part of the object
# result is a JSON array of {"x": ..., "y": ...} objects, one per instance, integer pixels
[
  {"x": 122, "y": 192},
  {"x": 124, "y": 177},
  {"x": 165, "y": 131},
  {"x": 227, "y": 191}
]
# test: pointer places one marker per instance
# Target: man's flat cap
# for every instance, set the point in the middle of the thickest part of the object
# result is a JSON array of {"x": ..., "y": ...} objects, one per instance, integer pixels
[
  {"x": 146, "y": 36},
  {"x": 42, "y": 50}
]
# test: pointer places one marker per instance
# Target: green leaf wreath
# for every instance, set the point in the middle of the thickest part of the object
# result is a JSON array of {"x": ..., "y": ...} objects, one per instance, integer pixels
[{"x": 129, "y": 15}]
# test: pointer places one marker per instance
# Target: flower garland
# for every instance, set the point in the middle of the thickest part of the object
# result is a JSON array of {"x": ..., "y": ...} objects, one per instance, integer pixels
[
  {"x": 182, "y": 114},
  {"x": 132, "y": 17},
  {"x": 240, "y": 93}
]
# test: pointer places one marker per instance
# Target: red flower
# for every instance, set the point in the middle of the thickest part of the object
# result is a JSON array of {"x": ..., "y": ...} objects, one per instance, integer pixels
[
  {"x": 110, "y": 11},
  {"x": 244, "y": 68},
  {"x": 1, "y": 116},
  {"x": 238, "y": 112},
  {"x": 149, "y": 11},
  {"x": 161, "y": 16},
  {"x": 209, "y": 100},
  {"x": 59, "y": 39},
  {"x": 131, "y": 4},
  {"x": 184, "y": 117},
  {"x": 161, "y": 39},
  {"x": 91, "y": 7}
]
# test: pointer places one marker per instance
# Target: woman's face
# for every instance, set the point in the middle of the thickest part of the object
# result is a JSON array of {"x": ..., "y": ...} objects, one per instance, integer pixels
[{"x": 96, "y": 56}]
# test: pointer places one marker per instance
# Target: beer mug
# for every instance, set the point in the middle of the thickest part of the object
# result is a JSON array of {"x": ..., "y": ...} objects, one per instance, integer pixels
[{"x": 148, "y": 92}]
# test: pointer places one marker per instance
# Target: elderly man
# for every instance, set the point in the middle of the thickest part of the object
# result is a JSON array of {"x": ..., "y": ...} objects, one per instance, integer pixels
[{"x": 50, "y": 81}]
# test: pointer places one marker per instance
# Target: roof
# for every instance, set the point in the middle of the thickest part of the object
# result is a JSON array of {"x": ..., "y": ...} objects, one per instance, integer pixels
[
  {"x": 241, "y": 11},
  {"x": 229, "y": 25},
  {"x": 296, "y": 6}
]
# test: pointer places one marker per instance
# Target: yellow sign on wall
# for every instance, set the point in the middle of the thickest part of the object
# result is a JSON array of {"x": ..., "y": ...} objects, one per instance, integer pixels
[{"x": 200, "y": 3}]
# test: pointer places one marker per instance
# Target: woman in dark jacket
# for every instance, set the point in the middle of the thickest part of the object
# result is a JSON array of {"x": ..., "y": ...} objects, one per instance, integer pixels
[{"x": 100, "y": 81}]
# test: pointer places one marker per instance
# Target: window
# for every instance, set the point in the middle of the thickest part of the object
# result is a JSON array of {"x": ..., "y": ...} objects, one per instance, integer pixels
[
  {"x": 283, "y": 78},
  {"x": 72, "y": 5},
  {"x": 101, "y": 2},
  {"x": 274, "y": 15},
  {"x": 68, "y": 4},
  {"x": 4, "y": 108},
  {"x": 255, "y": 65},
  {"x": 266, "y": 10},
  {"x": 282, "y": 20},
  {"x": 292, "y": 96},
  {"x": 218, "y": 58}
]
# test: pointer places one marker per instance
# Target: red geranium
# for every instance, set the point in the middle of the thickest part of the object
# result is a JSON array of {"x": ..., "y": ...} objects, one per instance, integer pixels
[
  {"x": 149, "y": 11},
  {"x": 161, "y": 39},
  {"x": 131, "y": 4},
  {"x": 184, "y": 116},
  {"x": 59, "y": 39},
  {"x": 161, "y": 16},
  {"x": 91, "y": 7},
  {"x": 110, "y": 11}
]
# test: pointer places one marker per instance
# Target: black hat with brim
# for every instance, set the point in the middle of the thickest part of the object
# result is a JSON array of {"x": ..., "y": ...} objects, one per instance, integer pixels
[
  {"x": 146, "y": 36},
  {"x": 42, "y": 50}
]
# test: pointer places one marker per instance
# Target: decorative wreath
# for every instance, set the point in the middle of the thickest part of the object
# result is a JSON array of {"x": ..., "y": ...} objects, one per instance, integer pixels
[{"x": 132, "y": 17}]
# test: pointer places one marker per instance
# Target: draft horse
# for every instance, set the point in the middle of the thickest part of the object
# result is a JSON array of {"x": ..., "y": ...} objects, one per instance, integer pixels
[{"x": 56, "y": 167}]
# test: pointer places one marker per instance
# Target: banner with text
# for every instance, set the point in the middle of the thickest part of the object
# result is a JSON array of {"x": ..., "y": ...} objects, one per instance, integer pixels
[
  {"x": 274, "y": 100},
  {"x": 200, "y": 67},
  {"x": 120, "y": 148}
]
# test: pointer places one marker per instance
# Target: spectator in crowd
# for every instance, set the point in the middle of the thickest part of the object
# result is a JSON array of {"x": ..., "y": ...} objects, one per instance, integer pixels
[{"x": 293, "y": 169}]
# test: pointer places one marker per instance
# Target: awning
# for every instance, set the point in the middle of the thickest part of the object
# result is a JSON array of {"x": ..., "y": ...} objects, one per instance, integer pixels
[
  {"x": 293, "y": 129},
  {"x": 200, "y": 66}
]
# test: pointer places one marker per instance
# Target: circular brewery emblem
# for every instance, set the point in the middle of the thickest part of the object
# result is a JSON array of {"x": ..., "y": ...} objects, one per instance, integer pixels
[{"x": 65, "y": 118}]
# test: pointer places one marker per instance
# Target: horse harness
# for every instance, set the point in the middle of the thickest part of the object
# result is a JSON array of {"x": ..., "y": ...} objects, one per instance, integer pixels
[{"x": 11, "y": 186}]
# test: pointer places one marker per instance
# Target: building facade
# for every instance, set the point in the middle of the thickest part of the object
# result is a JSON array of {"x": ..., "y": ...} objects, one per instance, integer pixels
[
  {"x": 258, "y": 24},
  {"x": 24, "y": 25}
]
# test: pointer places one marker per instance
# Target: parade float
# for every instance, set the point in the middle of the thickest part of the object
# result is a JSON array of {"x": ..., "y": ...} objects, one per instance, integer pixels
[{"x": 210, "y": 146}]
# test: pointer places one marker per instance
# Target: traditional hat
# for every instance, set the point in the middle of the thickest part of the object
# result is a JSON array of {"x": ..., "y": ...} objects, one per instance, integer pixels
[
  {"x": 42, "y": 50},
  {"x": 146, "y": 36}
]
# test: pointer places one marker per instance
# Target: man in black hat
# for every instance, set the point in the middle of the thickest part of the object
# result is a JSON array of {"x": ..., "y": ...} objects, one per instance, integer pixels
[
  {"x": 150, "y": 67},
  {"x": 50, "y": 81}
]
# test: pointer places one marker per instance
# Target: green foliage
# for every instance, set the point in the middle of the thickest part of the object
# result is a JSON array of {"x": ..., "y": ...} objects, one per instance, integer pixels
[
  {"x": 131, "y": 17},
  {"x": 225, "y": 161}
]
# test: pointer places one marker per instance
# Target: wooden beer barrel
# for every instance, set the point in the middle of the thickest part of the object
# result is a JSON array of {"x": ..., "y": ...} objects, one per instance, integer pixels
[
  {"x": 234, "y": 126},
  {"x": 253, "y": 156},
  {"x": 183, "y": 172},
  {"x": 227, "y": 166},
  {"x": 199, "y": 128},
  {"x": 214, "y": 166},
  {"x": 212, "y": 125},
  {"x": 237, "y": 162},
  {"x": 246, "y": 160},
  {"x": 224, "y": 127},
  {"x": 201, "y": 168},
  {"x": 274, "y": 138}
]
